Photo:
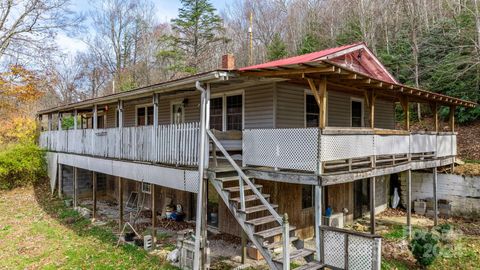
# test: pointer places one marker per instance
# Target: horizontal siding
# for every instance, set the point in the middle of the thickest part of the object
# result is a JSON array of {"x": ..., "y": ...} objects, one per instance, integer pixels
[
  {"x": 129, "y": 110},
  {"x": 384, "y": 114},
  {"x": 259, "y": 106},
  {"x": 338, "y": 106},
  {"x": 192, "y": 108},
  {"x": 111, "y": 116},
  {"x": 290, "y": 106}
]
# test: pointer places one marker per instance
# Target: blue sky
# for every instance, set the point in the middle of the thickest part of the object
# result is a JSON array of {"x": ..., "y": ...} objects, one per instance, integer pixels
[{"x": 165, "y": 10}]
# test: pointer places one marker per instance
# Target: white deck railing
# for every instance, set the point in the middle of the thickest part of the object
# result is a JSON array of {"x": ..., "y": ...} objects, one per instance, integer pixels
[
  {"x": 306, "y": 148},
  {"x": 169, "y": 144}
]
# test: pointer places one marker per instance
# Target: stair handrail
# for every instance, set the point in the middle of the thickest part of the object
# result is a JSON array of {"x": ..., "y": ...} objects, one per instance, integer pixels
[{"x": 245, "y": 178}]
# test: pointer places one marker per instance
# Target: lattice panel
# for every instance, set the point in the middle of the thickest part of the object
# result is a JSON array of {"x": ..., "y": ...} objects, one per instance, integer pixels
[
  {"x": 281, "y": 148},
  {"x": 422, "y": 143},
  {"x": 191, "y": 181},
  {"x": 334, "y": 249},
  {"x": 360, "y": 252},
  {"x": 392, "y": 144},
  {"x": 335, "y": 147}
]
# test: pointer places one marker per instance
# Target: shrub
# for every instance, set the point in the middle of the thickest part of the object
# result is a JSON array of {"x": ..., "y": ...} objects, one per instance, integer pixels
[
  {"x": 424, "y": 247},
  {"x": 21, "y": 165}
]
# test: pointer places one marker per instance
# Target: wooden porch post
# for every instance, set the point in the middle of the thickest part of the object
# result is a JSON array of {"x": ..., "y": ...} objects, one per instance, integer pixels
[
  {"x": 49, "y": 125},
  {"x": 318, "y": 220},
  {"x": 434, "y": 108},
  {"x": 120, "y": 203},
  {"x": 370, "y": 97},
  {"x": 451, "y": 117},
  {"x": 155, "y": 125},
  {"x": 435, "y": 199},
  {"x": 409, "y": 203},
  {"x": 94, "y": 182},
  {"x": 59, "y": 121},
  {"x": 406, "y": 110},
  {"x": 120, "y": 113},
  {"x": 75, "y": 116},
  {"x": 60, "y": 181},
  {"x": 95, "y": 117},
  {"x": 75, "y": 187},
  {"x": 153, "y": 195},
  {"x": 372, "y": 205},
  {"x": 321, "y": 98}
]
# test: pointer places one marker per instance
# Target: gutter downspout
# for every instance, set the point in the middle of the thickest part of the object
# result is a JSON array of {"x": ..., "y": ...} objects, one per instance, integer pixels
[{"x": 200, "y": 222}]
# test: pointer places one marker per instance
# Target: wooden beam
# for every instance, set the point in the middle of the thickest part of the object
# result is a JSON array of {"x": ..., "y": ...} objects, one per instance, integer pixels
[
  {"x": 153, "y": 194},
  {"x": 313, "y": 88},
  {"x": 120, "y": 203},
  {"x": 60, "y": 181},
  {"x": 370, "y": 97},
  {"x": 434, "y": 108},
  {"x": 75, "y": 118},
  {"x": 290, "y": 72},
  {"x": 322, "y": 89},
  {"x": 451, "y": 118},
  {"x": 372, "y": 205},
  {"x": 94, "y": 180},
  {"x": 435, "y": 199},
  {"x": 409, "y": 203},
  {"x": 406, "y": 111},
  {"x": 75, "y": 187}
]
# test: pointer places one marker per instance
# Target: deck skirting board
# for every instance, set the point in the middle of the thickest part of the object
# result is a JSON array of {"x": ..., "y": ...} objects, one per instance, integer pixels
[{"x": 180, "y": 179}]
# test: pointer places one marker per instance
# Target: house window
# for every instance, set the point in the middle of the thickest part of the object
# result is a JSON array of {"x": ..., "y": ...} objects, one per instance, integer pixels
[
  {"x": 144, "y": 115},
  {"x": 357, "y": 113},
  {"x": 307, "y": 196},
  {"x": 234, "y": 112},
  {"x": 226, "y": 112},
  {"x": 178, "y": 113},
  {"x": 312, "y": 111},
  {"x": 216, "y": 113},
  {"x": 146, "y": 188}
]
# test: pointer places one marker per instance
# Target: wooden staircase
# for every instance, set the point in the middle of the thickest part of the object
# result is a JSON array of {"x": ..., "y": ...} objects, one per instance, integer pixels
[{"x": 269, "y": 232}]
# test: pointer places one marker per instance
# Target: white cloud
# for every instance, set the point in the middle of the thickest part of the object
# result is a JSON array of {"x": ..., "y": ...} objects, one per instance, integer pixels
[{"x": 70, "y": 45}]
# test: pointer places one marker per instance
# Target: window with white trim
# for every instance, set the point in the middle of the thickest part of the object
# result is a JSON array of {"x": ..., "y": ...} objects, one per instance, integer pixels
[
  {"x": 226, "y": 112},
  {"x": 144, "y": 115}
]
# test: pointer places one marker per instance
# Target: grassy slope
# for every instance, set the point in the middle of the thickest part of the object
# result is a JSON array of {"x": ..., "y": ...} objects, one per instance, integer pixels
[{"x": 34, "y": 234}]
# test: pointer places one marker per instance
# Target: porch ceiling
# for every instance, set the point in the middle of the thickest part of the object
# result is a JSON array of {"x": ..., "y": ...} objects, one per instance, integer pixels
[{"x": 351, "y": 80}]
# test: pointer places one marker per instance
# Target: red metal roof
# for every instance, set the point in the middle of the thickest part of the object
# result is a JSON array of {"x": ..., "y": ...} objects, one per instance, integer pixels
[{"x": 301, "y": 58}]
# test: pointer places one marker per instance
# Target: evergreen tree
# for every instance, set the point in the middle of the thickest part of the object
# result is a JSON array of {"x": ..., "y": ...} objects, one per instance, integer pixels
[
  {"x": 309, "y": 44},
  {"x": 277, "y": 48},
  {"x": 198, "y": 29}
]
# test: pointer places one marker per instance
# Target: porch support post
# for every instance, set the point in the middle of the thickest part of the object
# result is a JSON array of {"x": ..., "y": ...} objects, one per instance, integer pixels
[
  {"x": 434, "y": 108},
  {"x": 318, "y": 221},
  {"x": 120, "y": 203},
  {"x": 60, "y": 181},
  {"x": 200, "y": 226},
  {"x": 406, "y": 111},
  {"x": 75, "y": 187},
  {"x": 59, "y": 121},
  {"x": 370, "y": 97},
  {"x": 435, "y": 199},
  {"x": 95, "y": 117},
  {"x": 321, "y": 98},
  {"x": 409, "y": 203},
  {"x": 75, "y": 116},
  {"x": 372, "y": 205},
  {"x": 451, "y": 118},
  {"x": 94, "y": 182},
  {"x": 120, "y": 113},
  {"x": 153, "y": 195},
  {"x": 120, "y": 127},
  {"x": 49, "y": 126},
  {"x": 155, "y": 125},
  {"x": 244, "y": 247}
]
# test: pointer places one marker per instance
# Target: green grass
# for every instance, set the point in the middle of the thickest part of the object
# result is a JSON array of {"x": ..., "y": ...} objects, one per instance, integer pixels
[
  {"x": 41, "y": 233},
  {"x": 397, "y": 232}
]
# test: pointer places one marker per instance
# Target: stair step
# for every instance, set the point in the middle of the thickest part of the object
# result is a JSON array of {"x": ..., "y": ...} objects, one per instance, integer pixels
[
  {"x": 311, "y": 266},
  {"x": 227, "y": 178},
  {"x": 261, "y": 221},
  {"x": 250, "y": 198},
  {"x": 299, "y": 253},
  {"x": 237, "y": 189},
  {"x": 258, "y": 208},
  {"x": 279, "y": 244},
  {"x": 272, "y": 232}
]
